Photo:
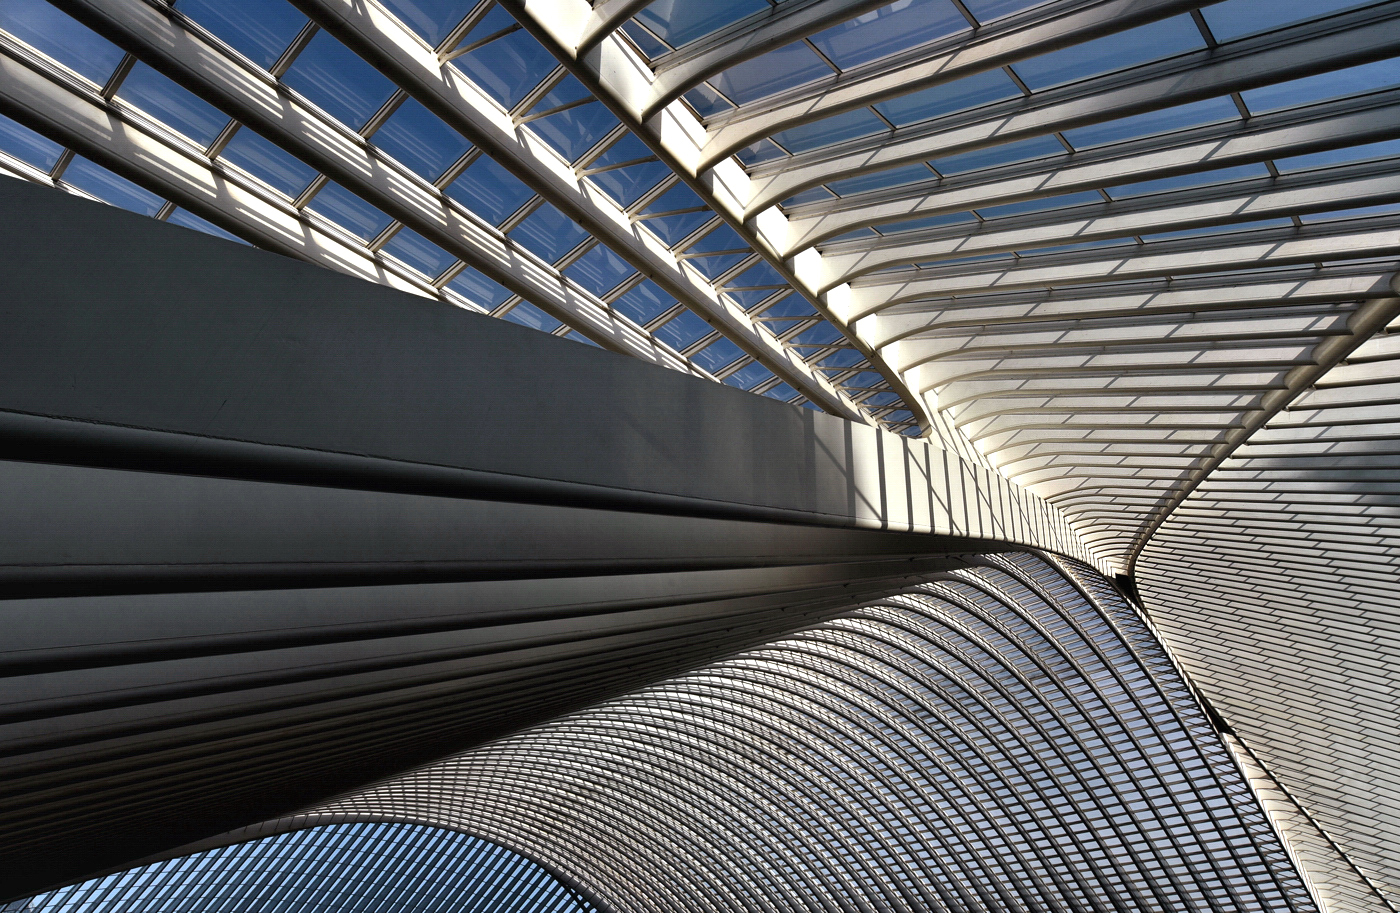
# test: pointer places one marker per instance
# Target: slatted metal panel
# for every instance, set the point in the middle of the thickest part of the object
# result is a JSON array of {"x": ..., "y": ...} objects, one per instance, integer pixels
[
  {"x": 344, "y": 868},
  {"x": 1276, "y": 584},
  {"x": 1010, "y": 737}
]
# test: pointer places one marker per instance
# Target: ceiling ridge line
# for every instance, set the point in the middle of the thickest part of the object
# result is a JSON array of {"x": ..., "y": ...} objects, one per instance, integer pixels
[{"x": 1367, "y": 320}]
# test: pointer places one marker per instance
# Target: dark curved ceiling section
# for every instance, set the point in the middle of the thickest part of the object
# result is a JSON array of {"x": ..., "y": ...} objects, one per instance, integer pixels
[
  {"x": 338, "y": 868},
  {"x": 1009, "y": 737}
]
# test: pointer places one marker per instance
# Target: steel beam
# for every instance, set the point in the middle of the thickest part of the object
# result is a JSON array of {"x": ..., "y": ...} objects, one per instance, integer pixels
[
  {"x": 1045, "y": 28},
  {"x": 1330, "y": 125},
  {"x": 1347, "y": 39}
]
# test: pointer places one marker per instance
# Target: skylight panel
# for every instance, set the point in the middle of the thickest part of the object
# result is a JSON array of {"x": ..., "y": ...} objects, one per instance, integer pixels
[
  {"x": 420, "y": 140},
  {"x": 644, "y": 303},
  {"x": 1205, "y": 230},
  {"x": 1040, "y": 205},
  {"x": 549, "y": 234},
  {"x": 1005, "y": 154},
  {"x": 575, "y": 130},
  {"x": 527, "y": 315},
  {"x": 837, "y": 129},
  {"x": 566, "y": 91},
  {"x": 888, "y": 30},
  {"x": 1082, "y": 245},
  {"x": 268, "y": 162},
  {"x": 853, "y": 235},
  {"x": 487, "y": 294},
  {"x": 786, "y": 68},
  {"x": 600, "y": 270},
  {"x": 755, "y": 284},
  {"x": 987, "y": 10},
  {"x": 676, "y": 214},
  {"x": 1340, "y": 156},
  {"x": 111, "y": 188},
  {"x": 793, "y": 305},
  {"x": 188, "y": 219},
  {"x": 1143, "y": 44},
  {"x": 1368, "y": 77},
  {"x": 28, "y": 146},
  {"x": 171, "y": 104},
  {"x": 1359, "y": 212},
  {"x": 706, "y": 101},
  {"x": 683, "y": 330},
  {"x": 61, "y": 37},
  {"x": 955, "y": 261},
  {"x": 724, "y": 238},
  {"x": 431, "y": 20},
  {"x": 348, "y": 211},
  {"x": 1238, "y": 18},
  {"x": 810, "y": 195},
  {"x": 490, "y": 191},
  {"x": 1150, "y": 123},
  {"x": 886, "y": 398},
  {"x": 757, "y": 153},
  {"x": 749, "y": 376},
  {"x": 650, "y": 46},
  {"x": 1199, "y": 179},
  {"x": 938, "y": 221},
  {"x": 893, "y": 177},
  {"x": 820, "y": 335},
  {"x": 959, "y": 95},
  {"x": 260, "y": 30},
  {"x": 626, "y": 185},
  {"x": 508, "y": 67},
  {"x": 411, "y": 248},
  {"x": 336, "y": 80},
  {"x": 782, "y": 393},
  {"x": 841, "y": 358},
  {"x": 717, "y": 355},
  {"x": 679, "y": 22}
]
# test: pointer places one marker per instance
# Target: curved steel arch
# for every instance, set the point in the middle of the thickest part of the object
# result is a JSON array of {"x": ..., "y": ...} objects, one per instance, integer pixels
[
  {"x": 332, "y": 866},
  {"x": 1009, "y": 736}
]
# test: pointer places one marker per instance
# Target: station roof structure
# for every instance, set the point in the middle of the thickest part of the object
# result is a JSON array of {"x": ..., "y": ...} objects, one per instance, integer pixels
[{"x": 1135, "y": 256}]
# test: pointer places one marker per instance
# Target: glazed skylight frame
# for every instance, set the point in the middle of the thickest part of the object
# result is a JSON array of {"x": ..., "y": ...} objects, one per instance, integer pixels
[{"x": 556, "y": 73}]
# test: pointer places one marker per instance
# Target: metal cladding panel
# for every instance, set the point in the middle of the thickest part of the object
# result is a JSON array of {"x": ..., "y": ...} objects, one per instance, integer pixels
[
  {"x": 1009, "y": 736},
  {"x": 1275, "y": 583}
]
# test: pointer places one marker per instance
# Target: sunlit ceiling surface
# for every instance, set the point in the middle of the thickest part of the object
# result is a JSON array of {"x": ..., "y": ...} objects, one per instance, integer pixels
[{"x": 1278, "y": 576}]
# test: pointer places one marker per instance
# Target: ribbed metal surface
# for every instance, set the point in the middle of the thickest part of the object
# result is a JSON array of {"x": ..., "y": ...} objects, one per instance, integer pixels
[
  {"x": 1276, "y": 584},
  {"x": 1011, "y": 737},
  {"x": 346, "y": 868}
]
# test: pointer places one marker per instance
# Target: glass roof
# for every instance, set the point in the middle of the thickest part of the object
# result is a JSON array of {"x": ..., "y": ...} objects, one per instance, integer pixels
[{"x": 931, "y": 170}]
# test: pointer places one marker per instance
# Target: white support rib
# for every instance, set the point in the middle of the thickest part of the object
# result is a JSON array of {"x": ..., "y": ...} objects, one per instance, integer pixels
[
  {"x": 682, "y": 70},
  {"x": 1344, "y": 240},
  {"x": 1185, "y": 297},
  {"x": 1346, "y": 40},
  {"x": 1044, "y": 28},
  {"x": 1286, "y": 133},
  {"x": 1240, "y": 201}
]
